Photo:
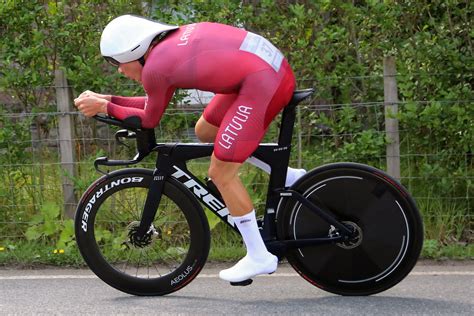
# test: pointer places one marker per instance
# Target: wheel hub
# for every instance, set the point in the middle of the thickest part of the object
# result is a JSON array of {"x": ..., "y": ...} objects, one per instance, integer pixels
[
  {"x": 351, "y": 242},
  {"x": 146, "y": 240}
]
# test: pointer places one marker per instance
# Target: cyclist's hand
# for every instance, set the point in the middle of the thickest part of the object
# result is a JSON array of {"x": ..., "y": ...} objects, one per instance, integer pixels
[
  {"x": 91, "y": 105},
  {"x": 89, "y": 93}
]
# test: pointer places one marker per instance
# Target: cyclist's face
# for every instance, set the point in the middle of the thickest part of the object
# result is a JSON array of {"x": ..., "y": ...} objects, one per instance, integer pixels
[{"x": 132, "y": 70}]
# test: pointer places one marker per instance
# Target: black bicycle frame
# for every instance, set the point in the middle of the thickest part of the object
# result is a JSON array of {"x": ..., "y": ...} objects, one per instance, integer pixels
[{"x": 171, "y": 162}]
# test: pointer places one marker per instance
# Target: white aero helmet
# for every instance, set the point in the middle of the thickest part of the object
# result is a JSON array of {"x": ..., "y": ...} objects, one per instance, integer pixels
[{"x": 127, "y": 38}]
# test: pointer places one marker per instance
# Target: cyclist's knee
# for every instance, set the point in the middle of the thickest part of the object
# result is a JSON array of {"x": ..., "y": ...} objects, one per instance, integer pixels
[
  {"x": 222, "y": 172},
  {"x": 205, "y": 131}
]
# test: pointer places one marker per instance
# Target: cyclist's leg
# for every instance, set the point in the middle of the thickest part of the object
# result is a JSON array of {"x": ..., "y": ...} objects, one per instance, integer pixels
[
  {"x": 262, "y": 96},
  {"x": 205, "y": 131},
  {"x": 208, "y": 124},
  {"x": 226, "y": 178},
  {"x": 258, "y": 260}
]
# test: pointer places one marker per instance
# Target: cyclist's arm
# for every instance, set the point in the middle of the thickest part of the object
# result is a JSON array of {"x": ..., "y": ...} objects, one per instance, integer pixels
[
  {"x": 129, "y": 102},
  {"x": 159, "y": 94},
  {"x": 133, "y": 102}
]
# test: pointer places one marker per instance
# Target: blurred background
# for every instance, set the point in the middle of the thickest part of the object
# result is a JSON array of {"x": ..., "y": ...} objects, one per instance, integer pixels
[{"x": 393, "y": 84}]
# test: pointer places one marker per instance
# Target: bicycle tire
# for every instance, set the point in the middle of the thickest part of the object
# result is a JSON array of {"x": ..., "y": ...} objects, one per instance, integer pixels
[
  {"x": 367, "y": 199},
  {"x": 174, "y": 252}
]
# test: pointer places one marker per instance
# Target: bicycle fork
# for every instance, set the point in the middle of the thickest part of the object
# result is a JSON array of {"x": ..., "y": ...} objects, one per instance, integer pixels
[{"x": 153, "y": 198}]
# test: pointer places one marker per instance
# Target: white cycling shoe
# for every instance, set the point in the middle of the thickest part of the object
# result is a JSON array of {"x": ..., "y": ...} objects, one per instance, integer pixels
[
  {"x": 292, "y": 175},
  {"x": 248, "y": 268}
]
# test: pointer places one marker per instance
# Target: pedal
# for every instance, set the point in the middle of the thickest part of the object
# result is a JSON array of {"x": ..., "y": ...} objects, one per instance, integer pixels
[{"x": 242, "y": 283}]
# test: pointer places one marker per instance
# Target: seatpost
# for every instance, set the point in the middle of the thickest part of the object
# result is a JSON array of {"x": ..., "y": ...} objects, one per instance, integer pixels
[
  {"x": 287, "y": 125},
  {"x": 289, "y": 115}
]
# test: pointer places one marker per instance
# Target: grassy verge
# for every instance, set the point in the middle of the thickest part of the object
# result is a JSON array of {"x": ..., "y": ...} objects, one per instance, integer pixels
[
  {"x": 33, "y": 254},
  {"x": 432, "y": 249},
  {"x": 30, "y": 254}
]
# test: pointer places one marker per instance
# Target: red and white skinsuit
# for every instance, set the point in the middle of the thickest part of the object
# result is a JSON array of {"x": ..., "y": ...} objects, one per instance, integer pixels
[{"x": 250, "y": 77}]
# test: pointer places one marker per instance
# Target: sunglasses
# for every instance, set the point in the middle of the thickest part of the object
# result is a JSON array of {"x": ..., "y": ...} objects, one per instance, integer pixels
[{"x": 112, "y": 61}]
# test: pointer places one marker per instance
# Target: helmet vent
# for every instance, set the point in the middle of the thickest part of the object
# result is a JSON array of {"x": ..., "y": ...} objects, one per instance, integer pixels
[{"x": 135, "y": 48}]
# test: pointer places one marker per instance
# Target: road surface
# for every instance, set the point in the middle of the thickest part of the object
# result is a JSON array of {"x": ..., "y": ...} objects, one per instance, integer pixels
[{"x": 431, "y": 289}]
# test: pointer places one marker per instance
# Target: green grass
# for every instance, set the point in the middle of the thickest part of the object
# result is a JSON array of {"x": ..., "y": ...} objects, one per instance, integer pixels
[
  {"x": 433, "y": 249},
  {"x": 447, "y": 223},
  {"x": 25, "y": 254},
  {"x": 226, "y": 245},
  {"x": 228, "y": 248}
]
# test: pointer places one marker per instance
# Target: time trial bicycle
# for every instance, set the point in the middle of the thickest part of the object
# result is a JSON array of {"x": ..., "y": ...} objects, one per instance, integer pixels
[{"x": 346, "y": 228}]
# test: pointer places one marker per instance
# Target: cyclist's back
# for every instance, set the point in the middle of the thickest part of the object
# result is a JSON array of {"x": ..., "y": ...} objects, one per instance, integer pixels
[{"x": 208, "y": 56}]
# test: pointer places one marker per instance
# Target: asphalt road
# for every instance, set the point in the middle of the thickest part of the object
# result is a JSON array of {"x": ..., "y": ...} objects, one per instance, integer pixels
[{"x": 431, "y": 289}]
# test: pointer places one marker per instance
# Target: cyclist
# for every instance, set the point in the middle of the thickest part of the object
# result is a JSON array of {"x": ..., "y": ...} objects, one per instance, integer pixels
[{"x": 252, "y": 82}]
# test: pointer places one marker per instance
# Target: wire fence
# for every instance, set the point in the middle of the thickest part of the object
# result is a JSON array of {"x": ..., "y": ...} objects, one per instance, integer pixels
[{"x": 34, "y": 172}]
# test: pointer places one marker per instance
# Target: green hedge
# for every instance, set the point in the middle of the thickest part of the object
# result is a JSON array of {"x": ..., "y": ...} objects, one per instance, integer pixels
[{"x": 336, "y": 46}]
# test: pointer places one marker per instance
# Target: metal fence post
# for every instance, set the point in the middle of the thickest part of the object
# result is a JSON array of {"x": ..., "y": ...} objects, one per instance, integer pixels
[
  {"x": 391, "y": 121},
  {"x": 66, "y": 141}
]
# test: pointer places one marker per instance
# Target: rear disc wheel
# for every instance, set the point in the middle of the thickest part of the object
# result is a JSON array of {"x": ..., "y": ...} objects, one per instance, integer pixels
[{"x": 388, "y": 229}]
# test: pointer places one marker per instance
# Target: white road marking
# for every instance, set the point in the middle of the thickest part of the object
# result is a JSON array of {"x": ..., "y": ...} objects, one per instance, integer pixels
[{"x": 204, "y": 276}]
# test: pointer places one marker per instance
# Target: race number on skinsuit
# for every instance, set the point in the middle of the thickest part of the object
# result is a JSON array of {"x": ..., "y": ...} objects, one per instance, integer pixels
[{"x": 261, "y": 47}]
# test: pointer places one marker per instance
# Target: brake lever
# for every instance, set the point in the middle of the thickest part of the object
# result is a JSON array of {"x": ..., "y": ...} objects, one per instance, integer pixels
[
  {"x": 104, "y": 161},
  {"x": 124, "y": 133}
]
